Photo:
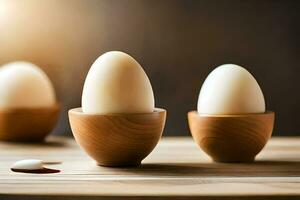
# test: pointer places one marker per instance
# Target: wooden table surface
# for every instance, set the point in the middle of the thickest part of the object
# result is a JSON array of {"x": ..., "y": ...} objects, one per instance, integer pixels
[{"x": 176, "y": 169}]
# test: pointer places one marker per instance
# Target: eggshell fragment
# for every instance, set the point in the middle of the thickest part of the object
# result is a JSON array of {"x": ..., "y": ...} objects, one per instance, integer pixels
[{"x": 30, "y": 164}]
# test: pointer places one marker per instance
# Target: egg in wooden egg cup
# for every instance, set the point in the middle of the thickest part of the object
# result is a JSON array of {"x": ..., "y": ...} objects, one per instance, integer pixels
[
  {"x": 117, "y": 140},
  {"x": 28, "y": 107},
  {"x": 231, "y": 124},
  {"x": 118, "y": 124}
]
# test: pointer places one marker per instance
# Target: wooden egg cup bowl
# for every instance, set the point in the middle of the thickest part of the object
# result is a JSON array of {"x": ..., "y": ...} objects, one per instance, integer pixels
[
  {"x": 27, "y": 124},
  {"x": 117, "y": 140},
  {"x": 231, "y": 138}
]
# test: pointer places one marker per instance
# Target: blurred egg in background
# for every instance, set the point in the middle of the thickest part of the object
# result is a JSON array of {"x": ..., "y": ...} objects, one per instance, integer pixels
[
  {"x": 177, "y": 42},
  {"x": 25, "y": 85}
]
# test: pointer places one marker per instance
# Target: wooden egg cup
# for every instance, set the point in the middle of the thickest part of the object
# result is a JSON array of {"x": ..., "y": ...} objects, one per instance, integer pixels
[
  {"x": 231, "y": 138},
  {"x": 117, "y": 140},
  {"x": 27, "y": 124}
]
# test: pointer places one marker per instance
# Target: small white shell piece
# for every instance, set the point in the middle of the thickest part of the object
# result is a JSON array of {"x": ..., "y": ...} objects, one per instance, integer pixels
[{"x": 30, "y": 164}]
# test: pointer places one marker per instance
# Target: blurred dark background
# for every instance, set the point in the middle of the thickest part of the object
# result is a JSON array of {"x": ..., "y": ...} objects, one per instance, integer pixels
[{"x": 177, "y": 42}]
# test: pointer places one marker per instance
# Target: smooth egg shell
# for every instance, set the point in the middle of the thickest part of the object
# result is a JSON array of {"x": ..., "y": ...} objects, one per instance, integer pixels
[
  {"x": 24, "y": 85},
  {"x": 116, "y": 83},
  {"x": 230, "y": 89}
]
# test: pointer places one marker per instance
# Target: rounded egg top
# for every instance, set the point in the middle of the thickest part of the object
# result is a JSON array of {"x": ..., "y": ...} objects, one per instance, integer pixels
[
  {"x": 25, "y": 85},
  {"x": 230, "y": 89},
  {"x": 116, "y": 83}
]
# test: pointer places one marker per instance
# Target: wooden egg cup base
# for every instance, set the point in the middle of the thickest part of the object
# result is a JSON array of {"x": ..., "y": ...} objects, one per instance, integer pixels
[
  {"x": 117, "y": 140},
  {"x": 231, "y": 138},
  {"x": 27, "y": 124}
]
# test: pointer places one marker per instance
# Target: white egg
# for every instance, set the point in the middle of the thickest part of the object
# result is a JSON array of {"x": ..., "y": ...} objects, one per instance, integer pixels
[
  {"x": 24, "y": 85},
  {"x": 30, "y": 164},
  {"x": 230, "y": 89},
  {"x": 116, "y": 83}
]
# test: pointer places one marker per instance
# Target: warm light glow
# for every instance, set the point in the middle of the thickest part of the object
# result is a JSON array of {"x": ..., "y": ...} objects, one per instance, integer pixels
[{"x": 5, "y": 7}]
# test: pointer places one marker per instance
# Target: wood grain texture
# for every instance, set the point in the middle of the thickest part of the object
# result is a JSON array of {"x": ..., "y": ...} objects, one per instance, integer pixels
[
  {"x": 231, "y": 138},
  {"x": 27, "y": 124},
  {"x": 175, "y": 169},
  {"x": 117, "y": 139}
]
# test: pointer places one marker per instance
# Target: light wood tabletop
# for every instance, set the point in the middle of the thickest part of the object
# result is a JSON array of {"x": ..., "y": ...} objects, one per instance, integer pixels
[{"x": 176, "y": 169}]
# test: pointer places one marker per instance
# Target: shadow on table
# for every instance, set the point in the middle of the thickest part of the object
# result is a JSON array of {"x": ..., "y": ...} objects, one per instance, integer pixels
[
  {"x": 268, "y": 168},
  {"x": 51, "y": 142}
]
